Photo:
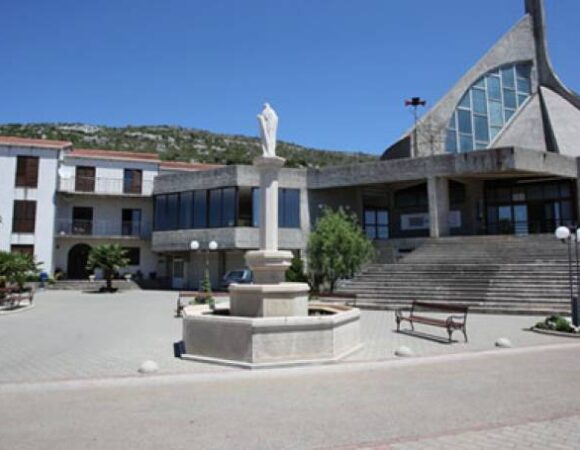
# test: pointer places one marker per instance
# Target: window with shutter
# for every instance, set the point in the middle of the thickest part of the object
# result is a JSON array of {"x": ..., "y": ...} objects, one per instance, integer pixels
[
  {"x": 85, "y": 179},
  {"x": 24, "y": 217},
  {"x": 132, "y": 181},
  {"x": 27, "y": 171}
]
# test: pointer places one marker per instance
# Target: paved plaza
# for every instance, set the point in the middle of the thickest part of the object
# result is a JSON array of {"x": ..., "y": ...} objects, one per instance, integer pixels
[
  {"x": 73, "y": 335},
  {"x": 71, "y": 362}
]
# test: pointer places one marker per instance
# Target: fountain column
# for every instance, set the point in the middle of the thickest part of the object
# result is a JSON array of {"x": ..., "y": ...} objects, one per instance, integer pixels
[{"x": 270, "y": 295}]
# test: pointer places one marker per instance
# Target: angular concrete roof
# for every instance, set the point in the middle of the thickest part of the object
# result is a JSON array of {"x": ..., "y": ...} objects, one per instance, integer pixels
[
  {"x": 526, "y": 128},
  {"x": 549, "y": 121}
]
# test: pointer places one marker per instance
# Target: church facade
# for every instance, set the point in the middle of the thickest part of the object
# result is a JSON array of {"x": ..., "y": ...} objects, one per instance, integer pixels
[{"x": 498, "y": 154}]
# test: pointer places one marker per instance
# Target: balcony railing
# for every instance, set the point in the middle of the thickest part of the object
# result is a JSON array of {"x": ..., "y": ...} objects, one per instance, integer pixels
[
  {"x": 104, "y": 228},
  {"x": 100, "y": 185}
]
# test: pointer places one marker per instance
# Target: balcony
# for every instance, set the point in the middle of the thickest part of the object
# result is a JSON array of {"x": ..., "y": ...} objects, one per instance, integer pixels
[
  {"x": 105, "y": 186},
  {"x": 103, "y": 228}
]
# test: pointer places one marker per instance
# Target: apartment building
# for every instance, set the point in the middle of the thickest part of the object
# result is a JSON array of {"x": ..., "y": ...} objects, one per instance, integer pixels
[{"x": 58, "y": 202}]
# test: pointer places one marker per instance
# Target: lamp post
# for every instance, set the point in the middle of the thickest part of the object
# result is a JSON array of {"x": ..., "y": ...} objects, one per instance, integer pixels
[
  {"x": 212, "y": 245},
  {"x": 572, "y": 236},
  {"x": 415, "y": 102}
]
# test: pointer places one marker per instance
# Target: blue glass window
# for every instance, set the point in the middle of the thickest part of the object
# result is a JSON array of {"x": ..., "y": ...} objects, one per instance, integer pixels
[
  {"x": 160, "y": 212},
  {"x": 479, "y": 101},
  {"x": 509, "y": 113},
  {"x": 200, "y": 209},
  {"x": 376, "y": 223},
  {"x": 509, "y": 98},
  {"x": 493, "y": 88},
  {"x": 507, "y": 77},
  {"x": 465, "y": 142},
  {"x": 464, "y": 121},
  {"x": 495, "y": 114},
  {"x": 451, "y": 141},
  {"x": 485, "y": 108},
  {"x": 222, "y": 207},
  {"x": 288, "y": 208},
  {"x": 172, "y": 211},
  {"x": 481, "y": 128},
  {"x": 185, "y": 210}
]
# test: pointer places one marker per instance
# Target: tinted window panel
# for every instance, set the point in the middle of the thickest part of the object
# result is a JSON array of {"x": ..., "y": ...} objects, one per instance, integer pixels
[
  {"x": 186, "y": 210},
  {"x": 495, "y": 114},
  {"x": 200, "y": 209},
  {"x": 228, "y": 218},
  {"x": 215, "y": 207},
  {"x": 465, "y": 142},
  {"x": 256, "y": 207},
  {"x": 479, "y": 101},
  {"x": 290, "y": 208},
  {"x": 481, "y": 128},
  {"x": 507, "y": 75},
  {"x": 493, "y": 88},
  {"x": 172, "y": 211},
  {"x": 464, "y": 118}
]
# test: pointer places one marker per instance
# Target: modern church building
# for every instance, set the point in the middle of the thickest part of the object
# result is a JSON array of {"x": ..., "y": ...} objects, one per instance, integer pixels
[{"x": 497, "y": 155}]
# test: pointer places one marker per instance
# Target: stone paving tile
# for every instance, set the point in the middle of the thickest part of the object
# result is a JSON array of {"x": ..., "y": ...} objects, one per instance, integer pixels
[
  {"x": 561, "y": 433},
  {"x": 557, "y": 434},
  {"x": 378, "y": 332},
  {"x": 74, "y": 335}
]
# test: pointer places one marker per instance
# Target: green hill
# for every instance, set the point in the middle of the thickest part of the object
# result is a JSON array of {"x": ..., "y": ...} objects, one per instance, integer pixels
[{"x": 179, "y": 144}]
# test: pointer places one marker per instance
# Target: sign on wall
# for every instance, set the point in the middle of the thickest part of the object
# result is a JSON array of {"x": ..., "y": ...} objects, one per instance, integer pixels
[{"x": 420, "y": 221}]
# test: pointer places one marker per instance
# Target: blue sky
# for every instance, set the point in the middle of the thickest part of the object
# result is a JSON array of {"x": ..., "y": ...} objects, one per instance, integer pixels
[{"x": 336, "y": 71}]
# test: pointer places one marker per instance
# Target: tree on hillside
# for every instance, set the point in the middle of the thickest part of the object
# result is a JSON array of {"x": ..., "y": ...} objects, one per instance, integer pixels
[
  {"x": 337, "y": 248},
  {"x": 110, "y": 258}
]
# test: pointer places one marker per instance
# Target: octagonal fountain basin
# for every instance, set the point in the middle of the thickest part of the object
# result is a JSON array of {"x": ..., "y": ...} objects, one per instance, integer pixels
[{"x": 327, "y": 334}]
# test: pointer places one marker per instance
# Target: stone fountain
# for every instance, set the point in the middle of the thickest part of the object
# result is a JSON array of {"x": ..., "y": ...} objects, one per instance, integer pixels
[{"x": 270, "y": 322}]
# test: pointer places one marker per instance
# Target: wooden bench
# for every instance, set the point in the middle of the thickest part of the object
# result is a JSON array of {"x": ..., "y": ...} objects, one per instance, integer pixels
[
  {"x": 454, "y": 321},
  {"x": 14, "y": 297}
]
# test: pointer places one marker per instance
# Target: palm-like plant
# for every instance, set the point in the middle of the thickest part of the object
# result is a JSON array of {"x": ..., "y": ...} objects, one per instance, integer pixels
[
  {"x": 109, "y": 258},
  {"x": 16, "y": 267}
]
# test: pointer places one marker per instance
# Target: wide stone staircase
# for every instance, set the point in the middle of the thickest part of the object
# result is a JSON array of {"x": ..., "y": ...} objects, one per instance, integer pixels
[{"x": 507, "y": 274}]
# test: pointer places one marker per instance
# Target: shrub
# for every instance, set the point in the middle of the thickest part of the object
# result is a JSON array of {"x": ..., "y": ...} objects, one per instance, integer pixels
[
  {"x": 205, "y": 295},
  {"x": 295, "y": 272},
  {"x": 556, "y": 323},
  {"x": 337, "y": 248}
]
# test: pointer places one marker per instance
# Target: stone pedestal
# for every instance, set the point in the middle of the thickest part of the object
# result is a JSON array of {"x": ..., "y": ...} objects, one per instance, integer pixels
[{"x": 269, "y": 300}]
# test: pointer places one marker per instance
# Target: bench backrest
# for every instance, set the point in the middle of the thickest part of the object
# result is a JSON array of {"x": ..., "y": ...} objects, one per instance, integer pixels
[{"x": 443, "y": 307}]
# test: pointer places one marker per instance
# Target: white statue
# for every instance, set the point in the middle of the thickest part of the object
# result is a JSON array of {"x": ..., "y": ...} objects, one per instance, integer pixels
[{"x": 268, "y": 125}]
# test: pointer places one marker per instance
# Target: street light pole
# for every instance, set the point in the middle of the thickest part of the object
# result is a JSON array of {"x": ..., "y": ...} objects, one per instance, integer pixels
[
  {"x": 415, "y": 102},
  {"x": 565, "y": 234}
]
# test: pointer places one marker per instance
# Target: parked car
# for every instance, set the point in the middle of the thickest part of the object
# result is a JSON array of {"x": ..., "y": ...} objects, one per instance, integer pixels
[{"x": 240, "y": 276}]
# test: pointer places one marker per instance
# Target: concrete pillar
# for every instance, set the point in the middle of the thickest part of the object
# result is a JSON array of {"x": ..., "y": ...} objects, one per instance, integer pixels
[
  {"x": 269, "y": 169},
  {"x": 438, "y": 194}
]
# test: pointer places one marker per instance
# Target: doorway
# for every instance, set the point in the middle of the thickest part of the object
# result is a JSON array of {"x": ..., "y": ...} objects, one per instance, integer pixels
[
  {"x": 178, "y": 278},
  {"x": 78, "y": 257}
]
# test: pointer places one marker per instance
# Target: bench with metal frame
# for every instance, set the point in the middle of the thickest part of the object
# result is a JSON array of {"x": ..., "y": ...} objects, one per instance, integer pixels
[
  {"x": 13, "y": 297},
  {"x": 455, "y": 321}
]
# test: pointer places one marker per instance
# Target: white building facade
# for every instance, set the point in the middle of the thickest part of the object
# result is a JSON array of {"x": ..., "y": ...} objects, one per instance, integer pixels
[{"x": 58, "y": 202}]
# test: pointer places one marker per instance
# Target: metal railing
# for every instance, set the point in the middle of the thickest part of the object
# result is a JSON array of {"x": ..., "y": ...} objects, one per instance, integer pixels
[
  {"x": 100, "y": 185},
  {"x": 105, "y": 228}
]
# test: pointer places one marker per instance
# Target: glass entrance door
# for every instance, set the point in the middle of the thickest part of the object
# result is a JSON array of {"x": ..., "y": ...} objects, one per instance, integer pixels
[
  {"x": 178, "y": 280},
  {"x": 521, "y": 219}
]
